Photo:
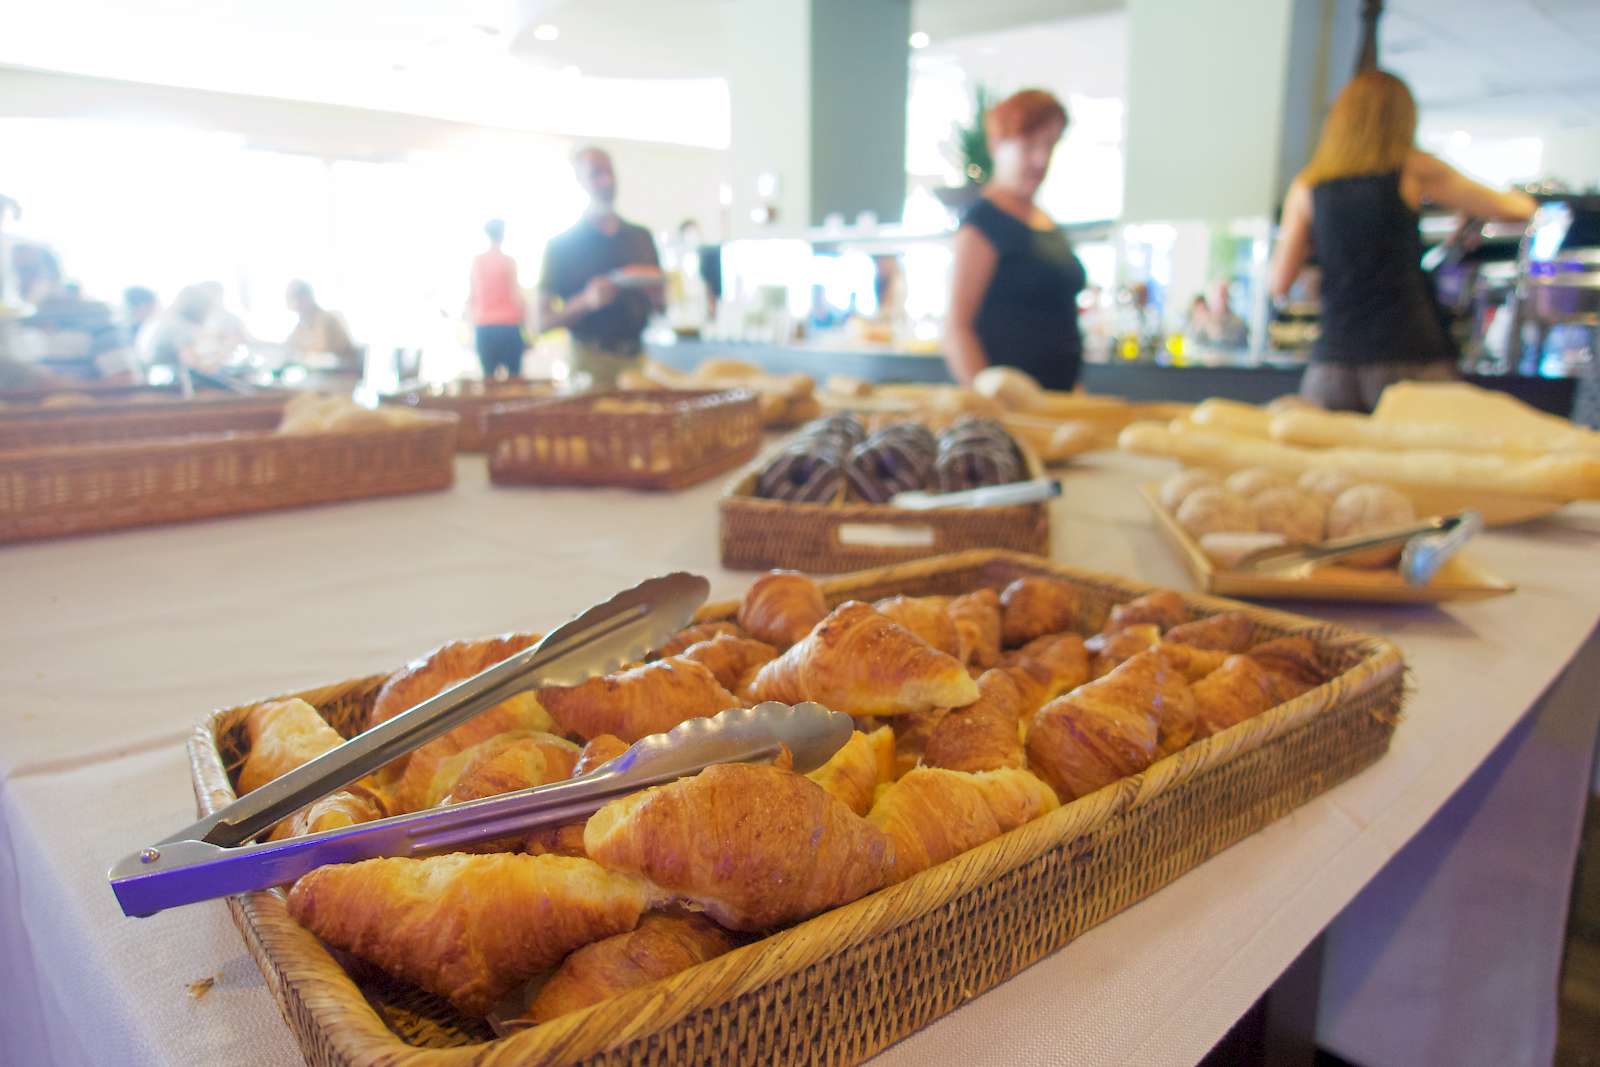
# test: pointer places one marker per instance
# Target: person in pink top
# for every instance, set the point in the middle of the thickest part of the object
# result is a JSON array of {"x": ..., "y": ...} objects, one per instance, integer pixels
[{"x": 495, "y": 306}]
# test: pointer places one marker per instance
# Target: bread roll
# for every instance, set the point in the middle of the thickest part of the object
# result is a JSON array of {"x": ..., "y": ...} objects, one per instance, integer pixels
[
  {"x": 1367, "y": 509},
  {"x": 1216, "y": 511},
  {"x": 1253, "y": 480},
  {"x": 1325, "y": 485},
  {"x": 1300, "y": 517},
  {"x": 1178, "y": 487}
]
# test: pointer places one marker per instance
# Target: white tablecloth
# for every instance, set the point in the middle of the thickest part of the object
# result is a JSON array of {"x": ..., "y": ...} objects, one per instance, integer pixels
[{"x": 116, "y": 645}]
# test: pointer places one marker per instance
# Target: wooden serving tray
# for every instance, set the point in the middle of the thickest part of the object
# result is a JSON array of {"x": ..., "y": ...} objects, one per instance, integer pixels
[
  {"x": 1458, "y": 579},
  {"x": 846, "y": 984}
]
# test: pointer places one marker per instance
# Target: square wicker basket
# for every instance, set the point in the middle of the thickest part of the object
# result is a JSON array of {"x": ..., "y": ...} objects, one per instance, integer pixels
[
  {"x": 103, "y": 472},
  {"x": 758, "y": 534},
  {"x": 846, "y": 984},
  {"x": 471, "y": 402},
  {"x": 650, "y": 439}
]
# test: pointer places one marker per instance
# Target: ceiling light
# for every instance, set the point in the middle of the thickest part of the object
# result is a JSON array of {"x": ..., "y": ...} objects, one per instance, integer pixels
[
  {"x": 919, "y": 40},
  {"x": 546, "y": 32}
]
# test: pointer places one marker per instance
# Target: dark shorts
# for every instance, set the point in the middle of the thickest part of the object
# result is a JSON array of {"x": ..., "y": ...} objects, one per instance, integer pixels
[
  {"x": 500, "y": 346},
  {"x": 1357, "y": 386}
]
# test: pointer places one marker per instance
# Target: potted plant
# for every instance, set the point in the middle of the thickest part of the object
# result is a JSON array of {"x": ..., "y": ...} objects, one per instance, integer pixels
[{"x": 968, "y": 149}]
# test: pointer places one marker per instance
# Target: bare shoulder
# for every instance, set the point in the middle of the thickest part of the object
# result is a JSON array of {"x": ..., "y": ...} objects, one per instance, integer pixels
[{"x": 1422, "y": 166}]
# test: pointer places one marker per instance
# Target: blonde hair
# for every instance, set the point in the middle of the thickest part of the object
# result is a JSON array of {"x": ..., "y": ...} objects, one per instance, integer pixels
[{"x": 1371, "y": 129}]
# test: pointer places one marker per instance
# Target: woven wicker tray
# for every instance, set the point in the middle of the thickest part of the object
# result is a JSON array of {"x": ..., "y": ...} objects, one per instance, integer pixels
[
  {"x": 119, "y": 482},
  {"x": 129, "y": 420},
  {"x": 758, "y": 534},
  {"x": 846, "y": 984},
  {"x": 693, "y": 436},
  {"x": 471, "y": 402}
]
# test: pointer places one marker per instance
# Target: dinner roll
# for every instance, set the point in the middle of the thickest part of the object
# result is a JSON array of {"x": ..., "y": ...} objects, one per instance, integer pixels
[
  {"x": 1300, "y": 517},
  {"x": 1326, "y": 485},
  {"x": 1365, "y": 509},
  {"x": 1213, "y": 510},
  {"x": 1176, "y": 488},
  {"x": 1252, "y": 480}
]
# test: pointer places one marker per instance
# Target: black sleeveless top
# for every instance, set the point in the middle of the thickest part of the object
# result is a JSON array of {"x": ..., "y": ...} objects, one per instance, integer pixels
[
  {"x": 1029, "y": 315},
  {"x": 1376, "y": 304}
]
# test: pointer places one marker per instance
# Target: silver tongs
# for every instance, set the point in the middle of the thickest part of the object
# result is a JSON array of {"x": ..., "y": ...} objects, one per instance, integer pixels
[
  {"x": 1428, "y": 545},
  {"x": 202, "y": 860},
  {"x": 188, "y": 871},
  {"x": 988, "y": 496}
]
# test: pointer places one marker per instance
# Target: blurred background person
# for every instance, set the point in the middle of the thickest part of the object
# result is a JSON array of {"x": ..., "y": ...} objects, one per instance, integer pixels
[
  {"x": 1015, "y": 279},
  {"x": 1212, "y": 319},
  {"x": 1356, "y": 203},
  {"x": 601, "y": 279},
  {"x": 140, "y": 307},
  {"x": 174, "y": 337},
  {"x": 495, "y": 307},
  {"x": 318, "y": 330}
]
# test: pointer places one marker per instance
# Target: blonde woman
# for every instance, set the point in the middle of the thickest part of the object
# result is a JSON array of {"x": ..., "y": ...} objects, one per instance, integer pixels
[{"x": 1356, "y": 205}]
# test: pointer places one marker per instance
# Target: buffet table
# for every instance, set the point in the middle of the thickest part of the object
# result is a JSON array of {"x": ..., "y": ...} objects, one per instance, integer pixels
[{"x": 118, "y": 644}]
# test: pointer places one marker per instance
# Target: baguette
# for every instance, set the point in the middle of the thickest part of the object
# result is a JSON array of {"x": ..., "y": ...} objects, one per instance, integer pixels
[
  {"x": 1325, "y": 429},
  {"x": 1232, "y": 416},
  {"x": 1561, "y": 477}
]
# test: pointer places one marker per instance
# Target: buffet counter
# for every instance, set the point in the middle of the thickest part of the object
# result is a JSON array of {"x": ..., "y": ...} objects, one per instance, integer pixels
[
  {"x": 1252, "y": 382},
  {"x": 1444, "y": 950}
]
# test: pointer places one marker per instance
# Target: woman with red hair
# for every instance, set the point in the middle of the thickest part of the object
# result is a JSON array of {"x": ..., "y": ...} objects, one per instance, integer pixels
[{"x": 1015, "y": 282}]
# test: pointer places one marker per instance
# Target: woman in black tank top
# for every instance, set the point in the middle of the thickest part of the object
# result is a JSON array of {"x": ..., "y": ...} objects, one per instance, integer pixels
[
  {"x": 1015, "y": 280},
  {"x": 1356, "y": 205}
]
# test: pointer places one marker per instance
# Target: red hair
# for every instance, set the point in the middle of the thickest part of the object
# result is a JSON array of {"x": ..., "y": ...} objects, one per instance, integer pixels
[{"x": 1023, "y": 113}]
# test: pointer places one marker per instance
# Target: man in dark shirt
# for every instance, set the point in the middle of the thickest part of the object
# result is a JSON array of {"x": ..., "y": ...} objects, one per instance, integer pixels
[{"x": 601, "y": 279}]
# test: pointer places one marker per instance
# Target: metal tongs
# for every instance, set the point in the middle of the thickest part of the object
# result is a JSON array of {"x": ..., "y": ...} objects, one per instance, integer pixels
[
  {"x": 1428, "y": 545},
  {"x": 209, "y": 858}
]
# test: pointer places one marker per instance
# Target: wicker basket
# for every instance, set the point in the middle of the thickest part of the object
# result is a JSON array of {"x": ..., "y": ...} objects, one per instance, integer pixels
[
  {"x": 758, "y": 534},
  {"x": 471, "y": 402},
  {"x": 83, "y": 488},
  {"x": 163, "y": 417},
  {"x": 846, "y": 984},
  {"x": 693, "y": 436}
]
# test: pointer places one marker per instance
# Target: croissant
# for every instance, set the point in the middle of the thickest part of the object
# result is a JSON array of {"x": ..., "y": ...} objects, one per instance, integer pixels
[
  {"x": 1033, "y": 607},
  {"x": 858, "y": 662},
  {"x": 468, "y": 927},
  {"x": 977, "y": 619},
  {"x": 753, "y": 846},
  {"x": 926, "y": 616},
  {"x": 412, "y": 780},
  {"x": 1293, "y": 663},
  {"x": 781, "y": 607},
  {"x": 731, "y": 659},
  {"x": 1108, "y": 728},
  {"x": 693, "y": 635},
  {"x": 1194, "y": 663},
  {"x": 911, "y": 735},
  {"x": 355, "y": 803},
  {"x": 635, "y": 703},
  {"x": 934, "y": 814},
  {"x": 1237, "y": 690},
  {"x": 598, "y": 750},
  {"x": 440, "y": 669},
  {"x": 854, "y": 772},
  {"x": 1045, "y": 668},
  {"x": 283, "y": 734},
  {"x": 1112, "y": 648},
  {"x": 661, "y": 945},
  {"x": 1164, "y": 607},
  {"x": 503, "y": 764},
  {"x": 1227, "y": 631},
  {"x": 984, "y": 735}
]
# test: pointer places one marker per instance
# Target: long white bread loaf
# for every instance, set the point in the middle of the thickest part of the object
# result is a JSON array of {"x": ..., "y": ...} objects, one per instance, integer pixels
[{"x": 1325, "y": 429}]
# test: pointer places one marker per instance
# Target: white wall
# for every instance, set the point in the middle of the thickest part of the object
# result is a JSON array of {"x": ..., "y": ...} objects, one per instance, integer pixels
[{"x": 1573, "y": 156}]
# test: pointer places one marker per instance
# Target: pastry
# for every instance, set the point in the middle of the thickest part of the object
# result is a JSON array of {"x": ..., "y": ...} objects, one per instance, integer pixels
[
  {"x": 731, "y": 659},
  {"x": 1115, "y": 647},
  {"x": 859, "y": 662},
  {"x": 933, "y": 814},
  {"x": 752, "y": 846},
  {"x": 442, "y": 668},
  {"x": 862, "y": 763},
  {"x": 470, "y": 928},
  {"x": 926, "y": 616},
  {"x": 1034, "y": 606},
  {"x": 912, "y": 732},
  {"x": 693, "y": 635},
  {"x": 1253, "y": 480},
  {"x": 1164, "y": 607},
  {"x": 984, "y": 735},
  {"x": 1237, "y": 690},
  {"x": 977, "y": 619},
  {"x": 661, "y": 945},
  {"x": 1369, "y": 509},
  {"x": 1229, "y": 631},
  {"x": 649, "y": 699},
  {"x": 1207, "y": 511},
  {"x": 1178, "y": 487},
  {"x": 781, "y": 607},
  {"x": 1046, "y": 667},
  {"x": 897, "y": 459},
  {"x": 1300, "y": 517},
  {"x": 504, "y": 763},
  {"x": 283, "y": 735},
  {"x": 355, "y": 803},
  {"x": 1325, "y": 485}
]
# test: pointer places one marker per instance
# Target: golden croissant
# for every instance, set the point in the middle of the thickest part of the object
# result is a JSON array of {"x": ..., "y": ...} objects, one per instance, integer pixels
[
  {"x": 693, "y": 635},
  {"x": 1227, "y": 631},
  {"x": 470, "y": 928},
  {"x": 984, "y": 735},
  {"x": 661, "y": 945},
  {"x": 926, "y": 616},
  {"x": 412, "y": 781},
  {"x": 283, "y": 735},
  {"x": 440, "y": 669},
  {"x": 781, "y": 607},
  {"x": 1112, "y": 648},
  {"x": 977, "y": 619},
  {"x": 1238, "y": 690},
  {"x": 753, "y": 846},
  {"x": 933, "y": 814},
  {"x": 1164, "y": 608},
  {"x": 635, "y": 703},
  {"x": 1045, "y": 668},
  {"x": 854, "y": 773},
  {"x": 912, "y": 732},
  {"x": 858, "y": 662},
  {"x": 1193, "y": 663},
  {"x": 1034, "y": 606},
  {"x": 503, "y": 764},
  {"x": 1104, "y": 730},
  {"x": 355, "y": 803},
  {"x": 731, "y": 659}
]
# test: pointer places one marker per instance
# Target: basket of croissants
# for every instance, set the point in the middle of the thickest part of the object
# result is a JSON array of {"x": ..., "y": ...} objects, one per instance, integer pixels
[
  {"x": 1036, "y": 748},
  {"x": 822, "y": 502}
]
